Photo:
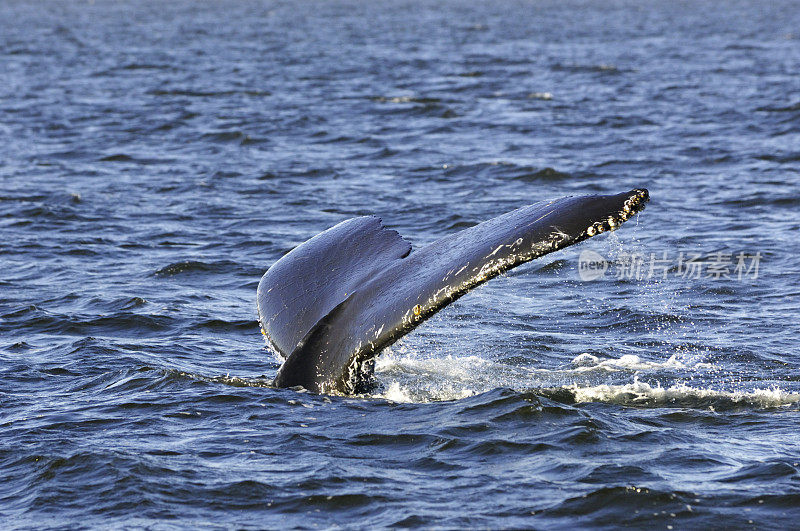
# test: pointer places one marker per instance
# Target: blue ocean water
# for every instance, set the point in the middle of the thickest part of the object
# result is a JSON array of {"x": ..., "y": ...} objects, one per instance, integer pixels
[{"x": 157, "y": 158}]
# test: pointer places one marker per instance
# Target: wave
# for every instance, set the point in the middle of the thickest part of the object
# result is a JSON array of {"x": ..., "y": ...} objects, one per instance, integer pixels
[
  {"x": 494, "y": 170},
  {"x": 590, "y": 68},
  {"x": 227, "y": 379},
  {"x": 681, "y": 395},
  {"x": 780, "y": 108},
  {"x": 404, "y": 380},
  {"x": 589, "y": 378},
  {"x": 209, "y": 93},
  {"x": 636, "y": 394},
  {"x": 122, "y": 323},
  {"x": 188, "y": 267}
]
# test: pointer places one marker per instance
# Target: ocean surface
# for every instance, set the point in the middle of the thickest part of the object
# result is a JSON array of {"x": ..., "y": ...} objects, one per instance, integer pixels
[{"x": 157, "y": 157}]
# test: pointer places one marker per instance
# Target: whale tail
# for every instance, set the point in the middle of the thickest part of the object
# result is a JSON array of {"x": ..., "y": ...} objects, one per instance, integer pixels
[
  {"x": 332, "y": 303},
  {"x": 310, "y": 281}
]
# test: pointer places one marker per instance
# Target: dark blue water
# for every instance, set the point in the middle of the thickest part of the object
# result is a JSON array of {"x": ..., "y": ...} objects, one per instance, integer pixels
[{"x": 156, "y": 158}]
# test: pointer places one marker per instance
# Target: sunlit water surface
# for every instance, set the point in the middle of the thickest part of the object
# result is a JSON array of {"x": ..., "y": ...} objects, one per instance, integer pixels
[{"x": 157, "y": 157}]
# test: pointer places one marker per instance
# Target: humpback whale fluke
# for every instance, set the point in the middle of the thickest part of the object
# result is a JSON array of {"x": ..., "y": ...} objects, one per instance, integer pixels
[{"x": 332, "y": 303}]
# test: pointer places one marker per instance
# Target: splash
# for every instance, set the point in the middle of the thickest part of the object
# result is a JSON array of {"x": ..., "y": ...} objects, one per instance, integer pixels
[
  {"x": 407, "y": 377},
  {"x": 587, "y": 363},
  {"x": 643, "y": 394}
]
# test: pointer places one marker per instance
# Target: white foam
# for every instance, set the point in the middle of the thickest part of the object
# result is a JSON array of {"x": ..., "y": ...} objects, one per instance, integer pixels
[
  {"x": 632, "y": 362},
  {"x": 413, "y": 379},
  {"x": 640, "y": 392},
  {"x": 395, "y": 393},
  {"x": 585, "y": 360},
  {"x": 407, "y": 377}
]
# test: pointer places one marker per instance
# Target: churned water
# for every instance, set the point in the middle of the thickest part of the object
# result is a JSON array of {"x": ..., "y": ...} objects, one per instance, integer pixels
[{"x": 158, "y": 157}]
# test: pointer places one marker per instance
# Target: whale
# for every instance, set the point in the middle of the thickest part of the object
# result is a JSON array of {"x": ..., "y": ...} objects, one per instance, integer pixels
[{"x": 329, "y": 306}]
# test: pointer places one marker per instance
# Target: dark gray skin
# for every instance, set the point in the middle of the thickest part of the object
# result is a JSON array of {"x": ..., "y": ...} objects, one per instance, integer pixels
[{"x": 334, "y": 302}]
